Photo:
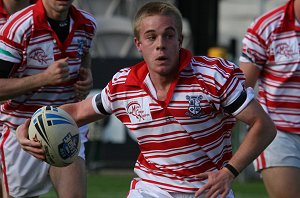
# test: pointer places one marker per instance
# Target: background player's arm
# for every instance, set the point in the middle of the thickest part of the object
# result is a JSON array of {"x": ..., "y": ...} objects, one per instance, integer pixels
[
  {"x": 56, "y": 73},
  {"x": 251, "y": 72},
  {"x": 85, "y": 83}
]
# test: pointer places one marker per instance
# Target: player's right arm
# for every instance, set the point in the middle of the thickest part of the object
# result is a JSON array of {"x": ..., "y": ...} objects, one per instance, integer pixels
[
  {"x": 56, "y": 73},
  {"x": 84, "y": 112}
]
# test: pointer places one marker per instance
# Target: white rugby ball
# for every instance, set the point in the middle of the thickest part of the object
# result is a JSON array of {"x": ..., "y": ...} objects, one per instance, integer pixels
[{"x": 58, "y": 133}]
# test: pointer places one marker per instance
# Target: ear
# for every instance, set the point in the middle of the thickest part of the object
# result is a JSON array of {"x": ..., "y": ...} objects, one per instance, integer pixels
[
  {"x": 137, "y": 44},
  {"x": 180, "y": 39}
]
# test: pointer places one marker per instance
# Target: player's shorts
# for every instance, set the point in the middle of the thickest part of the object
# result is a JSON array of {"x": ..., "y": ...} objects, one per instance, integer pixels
[
  {"x": 283, "y": 151},
  {"x": 141, "y": 189},
  {"x": 23, "y": 174},
  {"x": 83, "y": 133}
]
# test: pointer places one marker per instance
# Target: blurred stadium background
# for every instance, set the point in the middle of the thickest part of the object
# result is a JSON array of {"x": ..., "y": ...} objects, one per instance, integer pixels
[{"x": 214, "y": 27}]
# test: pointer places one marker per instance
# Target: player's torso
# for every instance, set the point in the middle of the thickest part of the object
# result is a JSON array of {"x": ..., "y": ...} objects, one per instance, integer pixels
[
  {"x": 179, "y": 138},
  {"x": 186, "y": 124}
]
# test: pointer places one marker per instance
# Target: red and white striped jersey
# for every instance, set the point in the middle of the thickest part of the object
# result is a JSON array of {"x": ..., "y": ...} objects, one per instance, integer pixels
[
  {"x": 188, "y": 133},
  {"x": 28, "y": 41},
  {"x": 272, "y": 43}
]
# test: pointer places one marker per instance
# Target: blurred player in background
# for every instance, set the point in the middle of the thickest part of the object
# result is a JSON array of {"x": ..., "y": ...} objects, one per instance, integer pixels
[
  {"x": 181, "y": 110},
  {"x": 44, "y": 59},
  {"x": 271, "y": 56},
  {"x": 7, "y": 8}
]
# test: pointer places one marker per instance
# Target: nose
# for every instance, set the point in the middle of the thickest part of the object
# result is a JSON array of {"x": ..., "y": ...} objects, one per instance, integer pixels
[{"x": 160, "y": 43}]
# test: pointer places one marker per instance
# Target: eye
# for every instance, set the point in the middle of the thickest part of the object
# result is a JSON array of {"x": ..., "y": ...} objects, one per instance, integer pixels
[
  {"x": 150, "y": 37},
  {"x": 169, "y": 36}
]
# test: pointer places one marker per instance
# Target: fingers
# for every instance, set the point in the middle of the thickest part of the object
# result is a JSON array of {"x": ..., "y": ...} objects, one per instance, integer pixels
[
  {"x": 217, "y": 184},
  {"x": 63, "y": 60},
  {"x": 202, "y": 176},
  {"x": 40, "y": 157},
  {"x": 30, "y": 146},
  {"x": 22, "y": 131},
  {"x": 84, "y": 84},
  {"x": 201, "y": 190}
]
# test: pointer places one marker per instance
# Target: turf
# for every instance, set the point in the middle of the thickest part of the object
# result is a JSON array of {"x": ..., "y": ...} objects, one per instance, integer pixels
[{"x": 115, "y": 184}]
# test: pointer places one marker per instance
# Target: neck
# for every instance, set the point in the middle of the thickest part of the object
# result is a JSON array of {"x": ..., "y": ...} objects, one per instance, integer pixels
[
  {"x": 162, "y": 82},
  {"x": 55, "y": 13},
  {"x": 12, "y": 6},
  {"x": 297, "y": 9},
  {"x": 57, "y": 16}
]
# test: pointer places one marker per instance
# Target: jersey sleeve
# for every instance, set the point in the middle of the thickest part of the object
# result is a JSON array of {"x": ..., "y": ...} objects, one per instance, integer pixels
[
  {"x": 233, "y": 96},
  {"x": 91, "y": 28},
  {"x": 12, "y": 40},
  {"x": 241, "y": 102},
  {"x": 224, "y": 84},
  {"x": 101, "y": 103},
  {"x": 254, "y": 47}
]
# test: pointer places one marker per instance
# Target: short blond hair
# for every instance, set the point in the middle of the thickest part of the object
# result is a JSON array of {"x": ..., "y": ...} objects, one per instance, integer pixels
[{"x": 157, "y": 8}]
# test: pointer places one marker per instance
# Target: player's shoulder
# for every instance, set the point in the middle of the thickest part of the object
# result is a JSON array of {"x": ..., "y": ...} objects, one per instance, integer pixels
[
  {"x": 19, "y": 22},
  {"x": 214, "y": 72},
  {"x": 269, "y": 20},
  {"x": 121, "y": 76},
  {"x": 206, "y": 63},
  {"x": 21, "y": 16},
  {"x": 88, "y": 16}
]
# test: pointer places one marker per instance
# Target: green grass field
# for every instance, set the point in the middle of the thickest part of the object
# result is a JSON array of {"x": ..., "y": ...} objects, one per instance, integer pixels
[{"x": 115, "y": 184}]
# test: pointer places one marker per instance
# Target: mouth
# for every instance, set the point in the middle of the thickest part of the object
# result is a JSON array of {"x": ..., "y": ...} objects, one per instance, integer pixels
[
  {"x": 66, "y": 1},
  {"x": 161, "y": 58}
]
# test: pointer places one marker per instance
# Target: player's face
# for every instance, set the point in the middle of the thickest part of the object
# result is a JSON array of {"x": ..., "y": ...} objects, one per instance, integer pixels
[
  {"x": 159, "y": 44},
  {"x": 57, "y": 8}
]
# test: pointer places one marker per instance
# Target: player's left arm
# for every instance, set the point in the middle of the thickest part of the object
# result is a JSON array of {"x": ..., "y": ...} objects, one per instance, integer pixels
[
  {"x": 261, "y": 133},
  {"x": 85, "y": 82}
]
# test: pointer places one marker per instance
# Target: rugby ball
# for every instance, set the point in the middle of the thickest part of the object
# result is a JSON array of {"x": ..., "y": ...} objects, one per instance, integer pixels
[{"x": 58, "y": 133}]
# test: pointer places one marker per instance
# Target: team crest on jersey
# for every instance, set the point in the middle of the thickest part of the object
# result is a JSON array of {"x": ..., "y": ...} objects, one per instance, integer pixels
[
  {"x": 39, "y": 55},
  {"x": 194, "y": 109},
  {"x": 138, "y": 111},
  {"x": 81, "y": 44},
  {"x": 284, "y": 49}
]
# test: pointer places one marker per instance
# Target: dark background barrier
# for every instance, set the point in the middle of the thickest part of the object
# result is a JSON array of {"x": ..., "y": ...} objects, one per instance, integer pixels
[
  {"x": 105, "y": 154},
  {"x": 103, "y": 69}
]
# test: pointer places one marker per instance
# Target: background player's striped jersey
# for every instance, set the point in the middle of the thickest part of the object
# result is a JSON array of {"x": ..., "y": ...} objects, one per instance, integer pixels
[
  {"x": 272, "y": 42},
  {"x": 29, "y": 42}
]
